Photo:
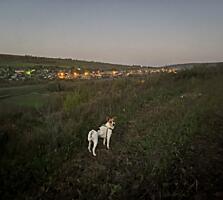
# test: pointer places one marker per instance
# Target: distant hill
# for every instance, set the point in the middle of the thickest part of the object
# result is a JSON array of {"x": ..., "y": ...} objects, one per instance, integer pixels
[
  {"x": 24, "y": 61},
  {"x": 33, "y": 61},
  {"x": 190, "y": 65}
]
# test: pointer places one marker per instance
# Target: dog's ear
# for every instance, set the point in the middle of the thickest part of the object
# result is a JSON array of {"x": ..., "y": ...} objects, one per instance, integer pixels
[
  {"x": 114, "y": 118},
  {"x": 107, "y": 118}
]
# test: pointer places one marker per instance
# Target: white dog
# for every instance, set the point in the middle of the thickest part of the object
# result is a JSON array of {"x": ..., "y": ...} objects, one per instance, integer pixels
[{"x": 105, "y": 132}]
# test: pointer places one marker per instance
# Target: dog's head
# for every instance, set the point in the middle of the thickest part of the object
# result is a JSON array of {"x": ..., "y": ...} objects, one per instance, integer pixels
[{"x": 111, "y": 122}]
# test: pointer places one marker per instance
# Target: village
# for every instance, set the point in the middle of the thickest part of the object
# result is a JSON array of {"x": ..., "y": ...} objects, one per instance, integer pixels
[{"x": 46, "y": 73}]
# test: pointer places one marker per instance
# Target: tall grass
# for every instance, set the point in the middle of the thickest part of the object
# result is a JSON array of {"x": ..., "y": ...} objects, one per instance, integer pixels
[{"x": 166, "y": 144}]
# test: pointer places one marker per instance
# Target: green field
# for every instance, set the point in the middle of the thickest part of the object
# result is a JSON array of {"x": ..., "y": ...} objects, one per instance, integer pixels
[{"x": 167, "y": 143}]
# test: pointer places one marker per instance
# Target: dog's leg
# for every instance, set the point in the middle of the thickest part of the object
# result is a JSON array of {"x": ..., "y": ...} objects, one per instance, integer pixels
[
  {"x": 104, "y": 139},
  {"x": 89, "y": 146},
  {"x": 108, "y": 140},
  {"x": 94, "y": 147}
]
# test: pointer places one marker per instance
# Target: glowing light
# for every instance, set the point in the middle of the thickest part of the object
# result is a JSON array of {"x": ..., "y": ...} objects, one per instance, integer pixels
[
  {"x": 75, "y": 74},
  {"x": 61, "y": 75},
  {"x": 86, "y": 73},
  {"x": 114, "y": 72},
  {"x": 28, "y": 72}
]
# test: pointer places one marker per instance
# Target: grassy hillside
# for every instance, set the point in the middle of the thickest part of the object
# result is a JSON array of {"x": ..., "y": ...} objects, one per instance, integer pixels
[
  {"x": 167, "y": 143},
  {"x": 33, "y": 61},
  {"x": 190, "y": 65}
]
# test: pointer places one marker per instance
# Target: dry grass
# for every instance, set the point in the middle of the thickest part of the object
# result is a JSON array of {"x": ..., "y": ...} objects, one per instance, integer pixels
[{"x": 167, "y": 142}]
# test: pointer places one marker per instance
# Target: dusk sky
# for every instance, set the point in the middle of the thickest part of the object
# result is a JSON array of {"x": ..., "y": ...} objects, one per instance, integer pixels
[{"x": 146, "y": 32}]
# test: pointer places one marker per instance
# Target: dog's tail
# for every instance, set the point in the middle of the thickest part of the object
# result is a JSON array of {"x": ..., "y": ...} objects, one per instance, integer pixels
[{"x": 90, "y": 135}]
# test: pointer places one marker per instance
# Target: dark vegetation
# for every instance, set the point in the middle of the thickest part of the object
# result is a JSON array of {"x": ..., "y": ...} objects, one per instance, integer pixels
[
  {"x": 167, "y": 144},
  {"x": 37, "y": 62}
]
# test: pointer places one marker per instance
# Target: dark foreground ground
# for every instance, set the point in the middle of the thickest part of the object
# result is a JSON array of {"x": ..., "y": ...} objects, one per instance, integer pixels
[{"x": 167, "y": 144}]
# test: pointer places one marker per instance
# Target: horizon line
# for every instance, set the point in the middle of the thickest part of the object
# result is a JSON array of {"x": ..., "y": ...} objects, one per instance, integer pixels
[{"x": 102, "y": 62}]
